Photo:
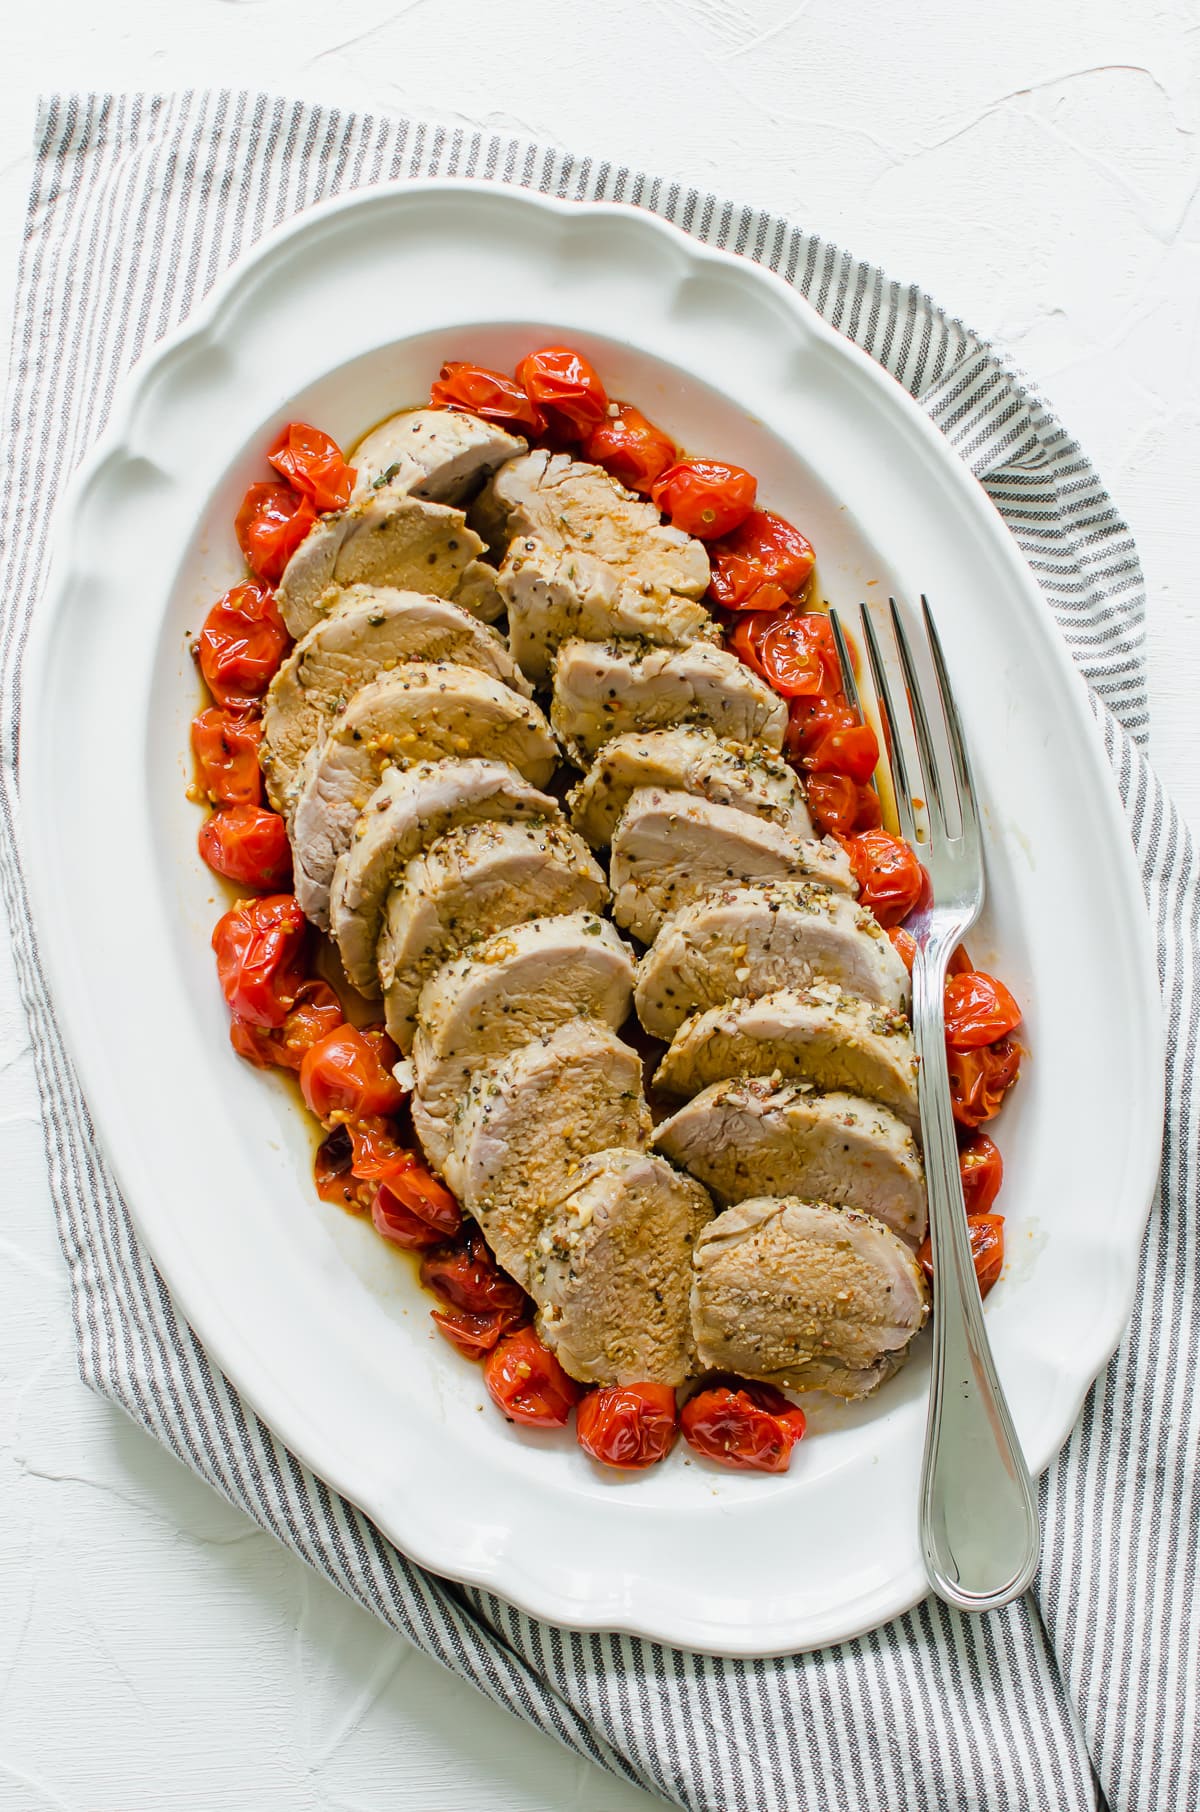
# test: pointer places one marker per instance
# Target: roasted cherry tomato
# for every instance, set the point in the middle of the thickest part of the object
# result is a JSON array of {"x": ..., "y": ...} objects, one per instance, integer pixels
[
  {"x": 705, "y": 497},
  {"x": 762, "y": 564},
  {"x": 890, "y": 879},
  {"x": 333, "y": 1175},
  {"x": 403, "y": 1174},
  {"x": 987, "y": 1249},
  {"x": 467, "y": 1277},
  {"x": 226, "y": 751},
  {"x": 852, "y": 750},
  {"x": 904, "y": 944},
  {"x": 260, "y": 957},
  {"x": 525, "y": 1380},
  {"x": 474, "y": 1336},
  {"x": 982, "y": 1171},
  {"x": 241, "y": 644},
  {"x": 840, "y": 806},
  {"x": 745, "y": 640},
  {"x": 628, "y": 1425},
  {"x": 812, "y": 718},
  {"x": 312, "y": 463},
  {"x": 270, "y": 526},
  {"x": 564, "y": 389},
  {"x": 980, "y": 1079},
  {"x": 247, "y": 844},
  {"x": 485, "y": 393},
  {"x": 979, "y": 1010},
  {"x": 347, "y": 1075},
  {"x": 749, "y": 1426},
  {"x": 317, "y": 1011},
  {"x": 631, "y": 448},
  {"x": 392, "y": 1220},
  {"x": 799, "y": 654}
]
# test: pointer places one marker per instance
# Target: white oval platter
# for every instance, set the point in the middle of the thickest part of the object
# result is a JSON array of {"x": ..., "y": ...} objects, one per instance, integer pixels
[{"x": 342, "y": 318}]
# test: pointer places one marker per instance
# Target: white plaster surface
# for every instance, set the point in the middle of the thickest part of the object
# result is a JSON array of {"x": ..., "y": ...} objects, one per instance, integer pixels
[{"x": 1036, "y": 168}]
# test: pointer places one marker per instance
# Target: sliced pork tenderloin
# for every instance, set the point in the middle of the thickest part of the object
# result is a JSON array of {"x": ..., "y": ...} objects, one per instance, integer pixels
[
  {"x": 819, "y": 1035},
  {"x": 805, "y": 1296},
  {"x": 530, "y": 1120},
  {"x": 685, "y": 759},
  {"x": 477, "y": 591},
  {"x": 476, "y": 880},
  {"x": 516, "y": 985},
  {"x": 612, "y": 1271},
  {"x": 756, "y": 1136},
  {"x": 440, "y": 455},
  {"x": 607, "y": 689},
  {"x": 669, "y": 849}
]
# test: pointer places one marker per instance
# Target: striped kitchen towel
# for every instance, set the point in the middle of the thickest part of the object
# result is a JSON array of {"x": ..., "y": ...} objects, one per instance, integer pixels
[{"x": 138, "y": 205}]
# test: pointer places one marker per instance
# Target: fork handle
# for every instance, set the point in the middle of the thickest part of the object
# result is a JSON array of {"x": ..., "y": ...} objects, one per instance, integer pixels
[{"x": 980, "y": 1533}]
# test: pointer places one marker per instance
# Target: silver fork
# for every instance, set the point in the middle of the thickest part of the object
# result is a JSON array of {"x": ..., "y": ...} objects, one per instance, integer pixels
[{"x": 980, "y": 1534}]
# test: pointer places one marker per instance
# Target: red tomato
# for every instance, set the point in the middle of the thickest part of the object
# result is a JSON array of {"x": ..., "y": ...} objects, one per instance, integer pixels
[
  {"x": 799, "y": 655},
  {"x": 987, "y": 1249},
  {"x": 761, "y": 564},
  {"x": 840, "y": 806},
  {"x": 485, "y": 393},
  {"x": 870, "y": 811},
  {"x": 226, "y": 751},
  {"x": 467, "y": 1277},
  {"x": 401, "y": 1172},
  {"x": 979, "y": 1009},
  {"x": 313, "y": 465},
  {"x": 348, "y": 1075},
  {"x": 241, "y": 644},
  {"x": 631, "y": 448},
  {"x": 748, "y": 1426},
  {"x": 260, "y": 957},
  {"x": 333, "y": 1176},
  {"x": 852, "y": 750},
  {"x": 247, "y": 844},
  {"x": 982, "y": 1171},
  {"x": 525, "y": 1380},
  {"x": 811, "y": 719},
  {"x": 474, "y": 1336},
  {"x": 979, "y": 1080},
  {"x": 270, "y": 526},
  {"x": 393, "y": 1221},
  {"x": 705, "y": 497},
  {"x": 565, "y": 389},
  {"x": 905, "y": 945},
  {"x": 629, "y": 1425},
  {"x": 745, "y": 640},
  {"x": 890, "y": 878},
  {"x": 317, "y": 1011}
]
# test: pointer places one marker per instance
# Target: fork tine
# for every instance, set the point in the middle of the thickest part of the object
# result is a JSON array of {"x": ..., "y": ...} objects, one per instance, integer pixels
[
  {"x": 902, "y": 786},
  {"x": 916, "y": 704},
  {"x": 849, "y": 682},
  {"x": 968, "y": 811}
]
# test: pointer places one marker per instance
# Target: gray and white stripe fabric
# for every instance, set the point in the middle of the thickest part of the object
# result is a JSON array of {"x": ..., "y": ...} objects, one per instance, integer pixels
[{"x": 138, "y": 205}]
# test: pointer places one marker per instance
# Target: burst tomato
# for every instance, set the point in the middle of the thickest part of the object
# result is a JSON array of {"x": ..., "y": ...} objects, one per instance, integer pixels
[
  {"x": 400, "y": 1171},
  {"x": 799, "y": 654},
  {"x": 745, "y": 640},
  {"x": 890, "y": 879},
  {"x": 260, "y": 957},
  {"x": 904, "y": 944},
  {"x": 525, "y": 1380},
  {"x": 982, "y": 1171},
  {"x": 980, "y": 1079},
  {"x": 628, "y": 1425},
  {"x": 474, "y": 1336},
  {"x": 270, "y": 526},
  {"x": 840, "y": 806},
  {"x": 317, "y": 1011},
  {"x": 749, "y": 1426},
  {"x": 226, "y": 751},
  {"x": 348, "y": 1074},
  {"x": 393, "y": 1221},
  {"x": 631, "y": 448},
  {"x": 812, "y": 718},
  {"x": 852, "y": 749},
  {"x": 467, "y": 1277},
  {"x": 241, "y": 644},
  {"x": 987, "y": 1249},
  {"x": 313, "y": 465},
  {"x": 705, "y": 497},
  {"x": 486, "y": 393},
  {"x": 564, "y": 389},
  {"x": 979, "y": 1010},
  {"x": 762, "y": 564},
  {"x": 247, "y": 844},
  {"x": 333, "y": 1175}
]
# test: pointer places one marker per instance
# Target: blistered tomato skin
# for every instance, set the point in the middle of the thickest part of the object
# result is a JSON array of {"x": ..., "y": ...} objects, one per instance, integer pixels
[
  {"x": 631, "y": 449},
  {"x": 704, "y": 497},
  {"x": 272, "y": 522},
  {"x": 226, "y": 744},
  {"x": 987, "y": 1250},
  {"x": 249, "y": 845},
  {"x": 750, "y": 1427},
  {"x": 347, "y": 1074},
  {"x": 260, "y": 947},
  {"x": 486, "y": 393},
  {"x": 526, "y": 1382},
  {"x": 311, "y": 461},
  {"x": 630, "y": 1426},
  {"x": 241, "y": 645},
  {"x": 565, "y": 391}
]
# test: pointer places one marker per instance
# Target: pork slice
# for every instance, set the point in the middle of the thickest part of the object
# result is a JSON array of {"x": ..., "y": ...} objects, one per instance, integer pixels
[
  {"x": 669, "y": 849},
  {"x": 477, "y": 591},
  {"x": 418, "y": 712},
  {"x": 553, "y": 498},
  {"x": 528, "y": 1122},
  {"x": 755, "y": 1136},
  {"x": 511, "y": 987},
  {"x": 370, "y": 631},
  {"x": 440, "y": 455},
  {"x": 553, "y": 594},
  {"x": 819, "y": 1035},
  {"x": 741, "y": 942},
  {"x": 385, "y": 538},
  {"x": 409, "y": 809},
  {"x": 685, "y": 759},
  {"x": 606, "y": 689},
  {"x": 476, "y": 880},
  {"x": 612, "y": 1271},
  {"x": 806, "y": 1296}
]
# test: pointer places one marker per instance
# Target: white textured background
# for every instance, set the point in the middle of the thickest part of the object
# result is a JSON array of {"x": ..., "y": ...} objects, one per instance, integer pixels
[{"x": 1035, "y": 165}]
